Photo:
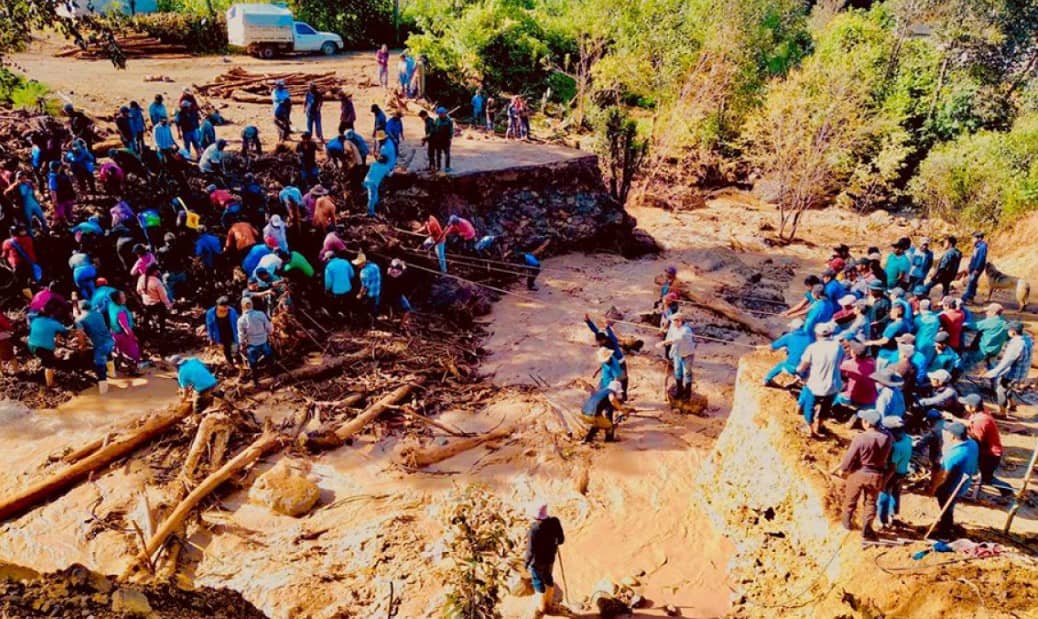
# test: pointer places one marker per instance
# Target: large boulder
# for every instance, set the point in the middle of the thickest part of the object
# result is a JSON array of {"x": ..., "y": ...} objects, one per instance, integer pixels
[{"x": 285, "y": 490}]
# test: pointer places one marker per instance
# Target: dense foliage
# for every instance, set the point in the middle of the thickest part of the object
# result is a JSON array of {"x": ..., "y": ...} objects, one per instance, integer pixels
[
  {"x": 199, "y": 33},
  {"x": 834, "y": 104}
]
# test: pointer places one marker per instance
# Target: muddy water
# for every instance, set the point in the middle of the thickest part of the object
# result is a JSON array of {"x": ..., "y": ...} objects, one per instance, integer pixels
[{"x": 63, "y": 531}]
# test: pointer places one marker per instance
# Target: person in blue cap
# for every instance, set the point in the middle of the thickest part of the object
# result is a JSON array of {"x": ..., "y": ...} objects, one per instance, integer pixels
[{"x": 958, "y": 464}]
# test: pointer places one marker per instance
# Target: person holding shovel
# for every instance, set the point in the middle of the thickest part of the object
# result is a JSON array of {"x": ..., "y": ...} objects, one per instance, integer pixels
[
  {"x": 957, "y": 466},
  {"x": 542, "y": 547}
]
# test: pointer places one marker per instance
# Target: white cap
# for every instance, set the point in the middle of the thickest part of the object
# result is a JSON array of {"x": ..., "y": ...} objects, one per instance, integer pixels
[{"x": 616, "y": 387}]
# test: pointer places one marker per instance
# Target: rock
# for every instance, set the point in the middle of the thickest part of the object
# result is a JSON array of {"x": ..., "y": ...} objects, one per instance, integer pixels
[
  {"x": 519, "y": 584},
  {"x": 609, "y": 607},
  {"x": 131, "y": 602},
  {"x": 285, "y": 490}
]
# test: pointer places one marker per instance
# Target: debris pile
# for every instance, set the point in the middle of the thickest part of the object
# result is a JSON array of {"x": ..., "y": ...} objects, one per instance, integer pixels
[
  {"x": 131, "y": 45},
  {"x": 245, "y": 87},
  {"x": 78, "y": 592}
]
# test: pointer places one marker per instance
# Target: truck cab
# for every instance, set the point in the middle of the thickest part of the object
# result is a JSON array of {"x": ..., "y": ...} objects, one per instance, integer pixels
[{"x": 308, "y": 39}]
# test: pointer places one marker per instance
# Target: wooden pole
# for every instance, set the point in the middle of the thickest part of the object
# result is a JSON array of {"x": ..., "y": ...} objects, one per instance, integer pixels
[
  {"x": 1023, "y": 490},
  {"x": 417, "y": 458},
  {"x": 121, "y": 446},
  {"x": 348, "y": 429},
  {"x": 947, "y": 504},
  {"x": 266, "y": 442}
]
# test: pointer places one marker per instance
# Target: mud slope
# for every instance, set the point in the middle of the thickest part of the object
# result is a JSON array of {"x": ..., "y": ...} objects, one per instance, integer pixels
[{"x": 766, "y": 489}]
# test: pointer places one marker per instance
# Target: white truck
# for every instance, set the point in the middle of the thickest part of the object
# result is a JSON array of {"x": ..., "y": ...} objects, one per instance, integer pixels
[{"x": 266, "y": 30}]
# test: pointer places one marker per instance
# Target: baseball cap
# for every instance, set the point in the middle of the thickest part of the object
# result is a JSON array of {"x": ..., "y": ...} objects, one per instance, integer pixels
[
  {"x": 848, "y": 299},
  {"x": 796, "y": 323},
  {"x": 972, "y": 400},
  {"x": 869, "y": 416},
  {"x": 616, "y": 387},
  {"x": 824, "y": 329},
  {"x": 957, "y": 429},
  {"x": 941, "y": 376},
  {"x": 893, "y": 422}
]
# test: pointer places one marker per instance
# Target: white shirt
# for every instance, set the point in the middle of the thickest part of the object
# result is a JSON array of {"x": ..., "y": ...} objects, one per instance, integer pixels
[{"x": 823, "y": 358}]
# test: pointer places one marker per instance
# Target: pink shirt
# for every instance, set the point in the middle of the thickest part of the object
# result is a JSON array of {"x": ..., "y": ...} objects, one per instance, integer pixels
[
  {"x": 333, "y": 243},
  {"x": 153, "y": 291}
]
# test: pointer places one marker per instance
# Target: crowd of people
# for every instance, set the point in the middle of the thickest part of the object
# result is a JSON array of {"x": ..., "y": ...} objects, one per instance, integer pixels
[
  {"x": 869, "y": 340},
  {"x": 112, "y": 278}
]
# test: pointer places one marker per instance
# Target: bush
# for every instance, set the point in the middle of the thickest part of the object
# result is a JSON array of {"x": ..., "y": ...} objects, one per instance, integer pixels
[
  {"x": 199, "y": 33},
  {"x": 984, "y": 179}
]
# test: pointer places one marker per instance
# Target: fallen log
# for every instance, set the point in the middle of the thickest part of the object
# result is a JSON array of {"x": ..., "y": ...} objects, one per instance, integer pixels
[
  {"x": 62, "y": 480},
  {"x": 329, "y": 438},
  {"x": 729, "y": 311},
  {"x": 416, "y": 458},
  {"x": 266, "y": 442},
  {"x": 86, "y": 450}
]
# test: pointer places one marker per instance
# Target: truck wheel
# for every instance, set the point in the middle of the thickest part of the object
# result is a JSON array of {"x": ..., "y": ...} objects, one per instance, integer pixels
[
  {"x": 267, "y": 52},
  {"x": 329, "y": 49}
]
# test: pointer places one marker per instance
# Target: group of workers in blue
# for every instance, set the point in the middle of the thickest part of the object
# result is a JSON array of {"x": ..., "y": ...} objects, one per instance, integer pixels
[
  {"x": 111, "y": 264},
  {"x": 869, "y": 340}
]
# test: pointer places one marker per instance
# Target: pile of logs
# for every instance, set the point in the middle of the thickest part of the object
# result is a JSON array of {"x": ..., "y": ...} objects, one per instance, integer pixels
[
  {"x": 132, "y": 46},
  {"x": 245, "y": 87}
]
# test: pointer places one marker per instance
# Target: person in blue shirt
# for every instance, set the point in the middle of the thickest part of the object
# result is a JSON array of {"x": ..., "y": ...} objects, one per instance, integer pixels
[
  {"x": 26, "y": 193},
  {"x": 377, "y": 172},
  {"x": 608, "y": 339},
  {"x": 887, "y": 341},
  {"x": 958, "y": 464},
  {"x": 96, "y": 329},
  {"x": 598, "y": 412},
  {"x": 206, "y": 132},
  {"x": 312, "y": 103},
  {"x": 221, "y": 326},
  {"x": 889, "y": 502},
  {"x": 379, "y": 124},
  {"x": 795, "y": 341},
  {"x": 187, "y": 122},
  {"x": 84, "y": 276},
  {"x": 531, "y": 266},
  {"x": 207, "y": 247},
  {"x": 137, "y": 126},
  {"x": 898, "y": 265},
  {"x": 282, "y": 100},
  {"x": 834, "y": 288},
  {"x": 370, "y": 283},
  {"x": 609, "y": 369},
  {"x": 478, "y": 105},
  {"x": 978, "y": 262},
  {"x": 338, "y": 281},
  {"x": 102, "y": 298},
  {"x": 157, "y": 111},
  {"x": 335, "y": 150},
  {"x": 395, "y": 129},
  {"x": 819, "y": 310},
  {"x": 43, "y": 331},
  {"x": 927, "y": 326},
  {"x": 921, "y": 261},
  {"x": 250, "y": 141},
  {"x": 890, "y": 400},
  {"x": 165, "y": 145},
  {"x": 360, "y": 143},
  {"x": 944, "y": 357},
  {"x": 253, "y": 257},
  {"x": 194, "y": 378},
  {"x": 82, "y": 164}
]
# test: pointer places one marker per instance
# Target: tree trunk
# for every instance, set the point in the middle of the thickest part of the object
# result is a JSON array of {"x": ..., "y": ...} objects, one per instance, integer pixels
[
  {"x": 119, "y": 447},
  {"x": 418, "y": 458}
]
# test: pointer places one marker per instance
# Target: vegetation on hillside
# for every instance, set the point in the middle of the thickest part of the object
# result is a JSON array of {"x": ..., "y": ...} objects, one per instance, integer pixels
[{"x": 884, "y": 105}]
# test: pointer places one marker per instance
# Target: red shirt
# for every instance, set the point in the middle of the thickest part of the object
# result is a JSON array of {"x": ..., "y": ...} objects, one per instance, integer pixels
[
  {"x": 13, "y": 256},
  {"x": 433, "y": 227},
  {"x": 982, "y": 427},
  {"x": 859, "y": 387},
  {"x": 952, "y": 321},
  {"x": 463, "y": 228}
]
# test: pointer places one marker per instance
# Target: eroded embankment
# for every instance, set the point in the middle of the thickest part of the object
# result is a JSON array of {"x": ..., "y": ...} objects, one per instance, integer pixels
[{"x": 765, "y": 486}]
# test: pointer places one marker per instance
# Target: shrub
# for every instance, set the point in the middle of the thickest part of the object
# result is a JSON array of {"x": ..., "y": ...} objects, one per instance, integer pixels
[
  {"x": 984, "y": 179},
  {"x": 199, "y": 33}
]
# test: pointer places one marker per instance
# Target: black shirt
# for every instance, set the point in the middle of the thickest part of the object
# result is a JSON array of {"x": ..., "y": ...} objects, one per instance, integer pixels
[
  {"x": 307, "y": 153},
  {"x": 543, "y": 541}
]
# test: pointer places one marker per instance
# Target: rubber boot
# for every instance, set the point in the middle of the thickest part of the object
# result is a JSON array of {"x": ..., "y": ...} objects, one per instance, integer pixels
[
  {"x": 590, "y": 434},
  {"x": 48, "y": 377},
  {"x": 102, "y": 387},
  {"x": 548, "y": 597},
  {"x": 110, "y": 369},
  {"x": 610, "y": 435}
]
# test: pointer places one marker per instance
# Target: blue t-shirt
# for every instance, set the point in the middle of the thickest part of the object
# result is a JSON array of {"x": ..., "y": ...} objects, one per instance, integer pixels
[
  {"x": 901, "y": 453},
  {"x": 193, "y": 373},
  {"x": 338, "y": 276},
  {"x": 93, "y": 324},
  {"x": 795, "y": 342},
  {"x": 254, "y": 256},
  {"x": 42, "y": 331},
  {"x": 598, "y": 403},
  {"x": 959, "y": 460}
]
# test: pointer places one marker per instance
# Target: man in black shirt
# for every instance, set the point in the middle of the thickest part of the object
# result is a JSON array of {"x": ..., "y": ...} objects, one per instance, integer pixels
[
  {"x": 308, "y": 169},
  {"x": 542, "y": 544}
]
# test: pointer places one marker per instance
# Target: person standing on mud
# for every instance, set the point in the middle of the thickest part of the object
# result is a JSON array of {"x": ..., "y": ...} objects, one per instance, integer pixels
[
  {"x": 542, "y": 546},
  {"x": 865, "y": 466},
  {"x": 821, "y": 364},
  {"x": 221, "y": 325},
  {"x": 681, "y": 344},
  {"x": 312, "y": 104},
  {"x": 442, "y": 135},
  {"x": 382, "y": 60},
  {"x": 282, "y": 100},
  {"x": 958, "y": 462}
]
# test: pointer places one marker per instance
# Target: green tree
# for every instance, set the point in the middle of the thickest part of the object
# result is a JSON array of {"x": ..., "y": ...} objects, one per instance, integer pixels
[
  {"x": 622, "y": 152},
  {"x": 18, "y": 19}
]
